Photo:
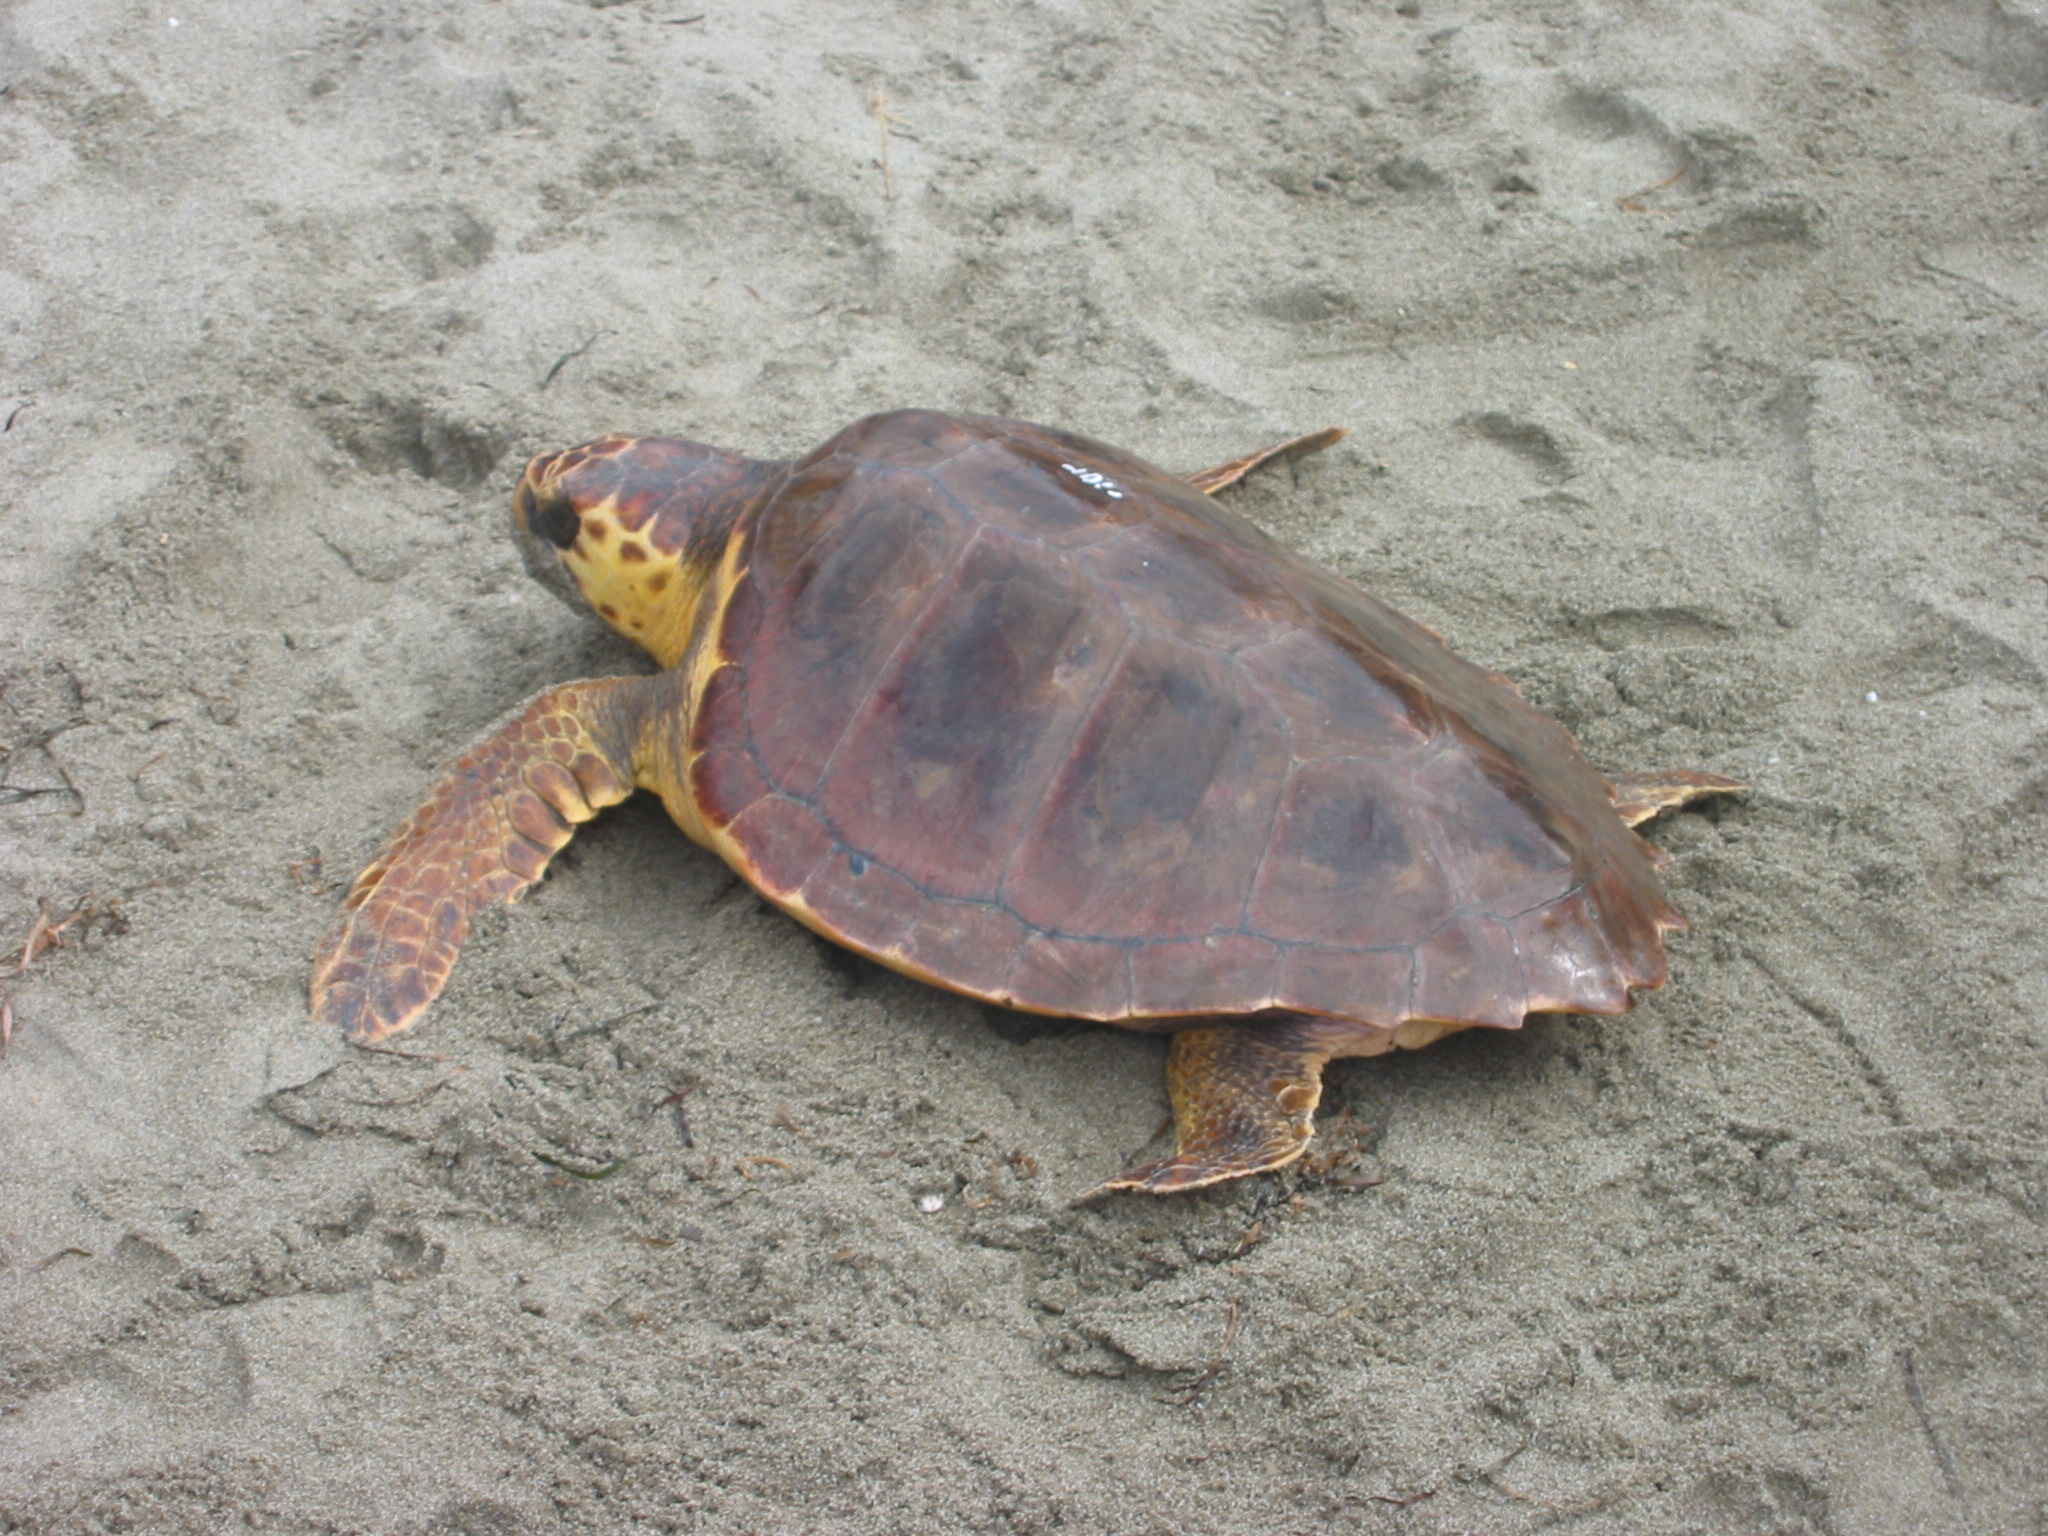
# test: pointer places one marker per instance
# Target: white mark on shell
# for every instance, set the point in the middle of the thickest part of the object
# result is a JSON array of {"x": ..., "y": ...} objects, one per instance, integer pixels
[{"x": 1096, "y": 478}]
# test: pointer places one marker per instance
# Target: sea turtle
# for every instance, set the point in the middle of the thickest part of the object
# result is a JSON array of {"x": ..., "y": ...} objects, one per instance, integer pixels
[{"x": 1020, "y": 715}]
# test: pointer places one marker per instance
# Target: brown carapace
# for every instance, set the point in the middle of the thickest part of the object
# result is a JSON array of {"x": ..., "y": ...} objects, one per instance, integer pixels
[{"x": 1020, "y": 715}]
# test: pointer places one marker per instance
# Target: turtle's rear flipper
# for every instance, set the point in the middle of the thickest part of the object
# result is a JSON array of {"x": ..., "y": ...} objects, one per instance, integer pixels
[
  {"x": 1639, "y": 796},
  {"x": 485, "y": 834},
  {"x": 1244, "y": 1101},
  {"x": 1214, "y": 480}
]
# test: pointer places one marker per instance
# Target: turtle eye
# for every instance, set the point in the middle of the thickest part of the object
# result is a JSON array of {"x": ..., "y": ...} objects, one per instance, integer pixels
[{"x": 556, "y": 521}]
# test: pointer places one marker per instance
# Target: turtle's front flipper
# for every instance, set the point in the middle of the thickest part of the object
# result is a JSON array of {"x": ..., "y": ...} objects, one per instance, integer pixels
[
  {"x": 1214, "y": 480},
  {"x": 1244, "y": 1101},
  {"x": 484, "y": 835},
  {"x": 1639, "y": 796}
]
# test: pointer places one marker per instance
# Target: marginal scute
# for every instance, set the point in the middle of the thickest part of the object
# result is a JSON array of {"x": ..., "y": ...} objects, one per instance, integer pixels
[
  {"x": 785, "y": 842},
  {"x": 1219, "y": 973},
  {"x": 742, "y": 620},
  {"x": 1468, "y": 970},
  {"x": 721, "y": 714},
  {"x": 725, "y": 781},
  {"x": 1370, "y": 984},
  {"x": 968, "y": 945},
  {"x": 1634, "y": 929},
  {"x": 868, "y": 904},
  {"x": 1076, "y": 976},
  {"x": 1565, "y": 958},
  {"x": 912, "y": 439}
]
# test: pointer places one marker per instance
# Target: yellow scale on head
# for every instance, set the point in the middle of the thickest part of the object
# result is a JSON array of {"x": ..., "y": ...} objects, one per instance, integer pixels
[
  {"x": 622, "y": 576},
  {"x": 641, "y": 590}
]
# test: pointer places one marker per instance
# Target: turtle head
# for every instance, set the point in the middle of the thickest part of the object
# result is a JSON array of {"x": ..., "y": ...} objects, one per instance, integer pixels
[{"x": 636, "y": 526}]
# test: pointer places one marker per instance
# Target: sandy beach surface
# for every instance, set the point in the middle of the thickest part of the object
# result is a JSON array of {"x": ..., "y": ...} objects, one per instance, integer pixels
[{"x": 1695, "y": 357}]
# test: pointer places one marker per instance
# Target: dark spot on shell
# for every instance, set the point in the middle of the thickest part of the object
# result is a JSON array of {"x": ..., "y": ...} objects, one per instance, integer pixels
[
  {"x": 657, "y": 581},
  {"x": 607, "y": 610},
  {"x": 596, "y": 530},
  {"x": 856, "y": 863},
  {"x": 632, "y": 551}
]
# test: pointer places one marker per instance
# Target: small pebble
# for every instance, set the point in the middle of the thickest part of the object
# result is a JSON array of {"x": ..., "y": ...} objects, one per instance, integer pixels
[
  {"x": 931, "y": 1204},
  {"x": 1870, "y": 698}
]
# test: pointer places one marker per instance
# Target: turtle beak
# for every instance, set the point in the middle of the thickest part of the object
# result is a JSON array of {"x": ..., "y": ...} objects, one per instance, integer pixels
[{"x": 545, "y": 524}]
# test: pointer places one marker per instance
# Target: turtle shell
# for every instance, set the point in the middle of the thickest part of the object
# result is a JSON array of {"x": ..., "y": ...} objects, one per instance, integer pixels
[{"x": 1019, "y": 714}]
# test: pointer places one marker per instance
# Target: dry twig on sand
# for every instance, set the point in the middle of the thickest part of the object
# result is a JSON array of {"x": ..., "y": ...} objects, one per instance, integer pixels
[
  {"x": 411, "y": 1098},
  {"x": 878, "y": 104},
  {"x": 40, "y": 743},
  {"x": 1633, "y": 202},
  {"x": 569, "y": 357},
  {"x": 674, "y": 1103},
  {"x": 392, "y": 1050},
  {"x": 45, "y": 935},
  {"x": 1940, "y": 1448},
  {"x": 1192, "y": 1392},
  {"x": 1401, "y": 1501}
]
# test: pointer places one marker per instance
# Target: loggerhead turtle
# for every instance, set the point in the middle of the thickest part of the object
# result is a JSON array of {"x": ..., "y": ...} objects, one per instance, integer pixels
[{"x": 1020, "y": 715}]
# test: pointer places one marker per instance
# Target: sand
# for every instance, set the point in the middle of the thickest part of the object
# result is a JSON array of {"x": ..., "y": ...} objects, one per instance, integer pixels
[{"x": 1693, "y": 355}]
